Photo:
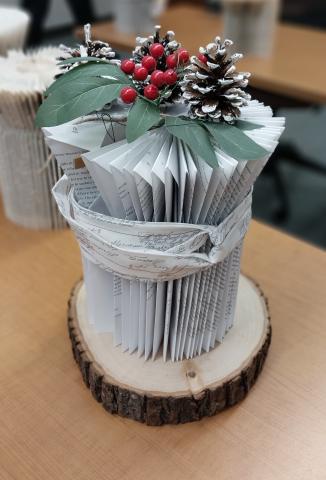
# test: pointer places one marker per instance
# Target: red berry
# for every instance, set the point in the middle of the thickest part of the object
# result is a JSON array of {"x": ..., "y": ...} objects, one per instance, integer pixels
[
  {"x": 157, "y": 78},
  {"x": 128, "y": 95},
  {"x": 202, "y": 58},
  {"x": 140, "y": 73},
  {"x": 171, "y": 61},
  {"x": 151, "y": 92},
  {"x": 127, "y": 66},
  {"x": 156, "y": 50},
  {"x": 183, "y": 55},
  {"x": 170, "y": 77},
  {"x": 149, "y": 63}
]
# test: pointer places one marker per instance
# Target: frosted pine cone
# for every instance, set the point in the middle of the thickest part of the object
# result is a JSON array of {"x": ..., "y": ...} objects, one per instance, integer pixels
[
  {"x": 91, "y": 48},
  {"x": 212, "y": 86}
]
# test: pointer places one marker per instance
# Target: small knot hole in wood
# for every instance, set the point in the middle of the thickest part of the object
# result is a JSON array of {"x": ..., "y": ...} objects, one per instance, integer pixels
[{"x": 191, "y": 374}]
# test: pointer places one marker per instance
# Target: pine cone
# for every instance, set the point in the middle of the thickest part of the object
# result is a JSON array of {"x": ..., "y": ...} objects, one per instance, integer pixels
[
  {"x": 211, "y": 84},
  {"x": 91, "y": 48}
]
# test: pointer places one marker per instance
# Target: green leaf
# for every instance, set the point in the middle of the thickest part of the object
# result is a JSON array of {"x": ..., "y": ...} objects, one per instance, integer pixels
[
  {"x": 69, "y": 61},
  {"x": 194, "y": 135},
  {"x": 234, "y": 142},
  {"x": 142, "y": 116},
  {"x": 78, "y": 87},
  {"x": 88, "y": 70},
  {"x": 55, "y": 111},
  {"x": 244, "y": 125}
]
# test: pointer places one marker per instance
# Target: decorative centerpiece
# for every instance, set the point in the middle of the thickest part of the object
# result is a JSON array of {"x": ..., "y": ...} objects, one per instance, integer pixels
[
  {"x": 28, "y": 171},
  {"x": 160, "y": 153}
]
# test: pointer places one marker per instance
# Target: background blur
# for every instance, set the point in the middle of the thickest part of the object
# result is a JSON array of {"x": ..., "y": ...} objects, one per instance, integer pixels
[{"x": 291, "y": 194}]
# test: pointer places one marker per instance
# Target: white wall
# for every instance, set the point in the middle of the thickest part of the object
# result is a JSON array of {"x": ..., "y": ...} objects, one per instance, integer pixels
[{"x": 59, "y": 14}]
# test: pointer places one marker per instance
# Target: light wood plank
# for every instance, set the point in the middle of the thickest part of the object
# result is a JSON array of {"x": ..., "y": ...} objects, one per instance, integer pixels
[{"x": 51, "y": 428}]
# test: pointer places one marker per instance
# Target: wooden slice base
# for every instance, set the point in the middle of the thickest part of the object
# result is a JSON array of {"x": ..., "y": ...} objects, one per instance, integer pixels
[{"x": 157, "y": 392}]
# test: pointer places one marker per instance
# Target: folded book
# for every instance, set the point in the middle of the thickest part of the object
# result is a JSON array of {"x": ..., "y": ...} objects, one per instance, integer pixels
[
  {"x": 28, "y": 172},
  {"x": 160, "y": 203}
]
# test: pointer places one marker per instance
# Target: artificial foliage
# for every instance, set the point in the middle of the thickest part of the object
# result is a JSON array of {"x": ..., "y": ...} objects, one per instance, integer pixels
[{"x": 198, "y": 99}]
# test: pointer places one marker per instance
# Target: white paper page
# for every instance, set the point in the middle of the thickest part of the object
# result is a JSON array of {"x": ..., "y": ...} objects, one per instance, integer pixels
[
  {"x": 142, "y": 318},
  {"x": 183, "y": 180},
  {"x": 192, "y": 321},
  {"x": 204, "y": 174},
  {"x": 131, "y": 291},
  {"x": 167, "y": 319},
  {"x": 126, "y": 168},
  {"x": 125, "y": 314},
  {"x": 228, "y": 166},
  {"x": 208, "y": 297},
  {"x": 142, "y": 172},
  {"x": 150, "y": 317},
  {"x": 137, "y": 202},
  {"x": 179, "y": 171},
  {"x": 170, "y": 186},
  {"x": 227, "y": 194},
  {"x": 158, "y": 178},
  {"x": 117, "y": 299},
  {"x": 105, "y": 181},
  {"x": 123, "y": 162},
  {"x": 212, "y": 319},
  {"x": 86, "y": 136},
  {"x": 172, "y": 159},
  {"x": 66, "y": 156},
  {"x": 219, "y": 321},
  {"x": 210, "y": 193},
  {"x": 134, "y": 315},
  {"x": 190, "y": 184},
  {"x": 161, "y": 293},
  {"x": 200, "y": 310},
  {"x": 199, "y": 320},
  {"x": 184, "y": 334},
  {"x": 175, "y": 318},
  {"x": 123, "y": 192},
  {"x": 110, "y": 194},
  {"x": 99, "y": 285},
  {"x": 233, "y": 280},
  {"x": 183, "y": 305}
]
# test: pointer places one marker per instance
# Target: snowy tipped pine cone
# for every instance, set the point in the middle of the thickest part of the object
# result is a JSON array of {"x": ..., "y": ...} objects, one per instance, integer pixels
[
  {"x": 212, "y": 86},
  {"x": 91, "y": 48}
]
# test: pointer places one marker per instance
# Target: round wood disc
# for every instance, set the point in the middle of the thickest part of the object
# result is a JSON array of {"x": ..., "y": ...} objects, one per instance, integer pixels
[{"x": 158, "y": 392}]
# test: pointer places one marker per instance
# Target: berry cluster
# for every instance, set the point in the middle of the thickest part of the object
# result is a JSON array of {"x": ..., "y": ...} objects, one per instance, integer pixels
[{"x": 155, "y": 68}]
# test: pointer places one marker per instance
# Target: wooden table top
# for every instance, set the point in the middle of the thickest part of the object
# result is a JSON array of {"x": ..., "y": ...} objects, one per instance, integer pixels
[
  {"x": 296, "y": 68},
  {"x": 51, "y": 428}
]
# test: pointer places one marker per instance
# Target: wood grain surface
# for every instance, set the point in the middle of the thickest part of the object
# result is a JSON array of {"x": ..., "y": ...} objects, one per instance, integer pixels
[
  {"x": 159, "y": 392},
  {"x": 296, "y": 68},
  {"x": 51, "y": 428}
]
